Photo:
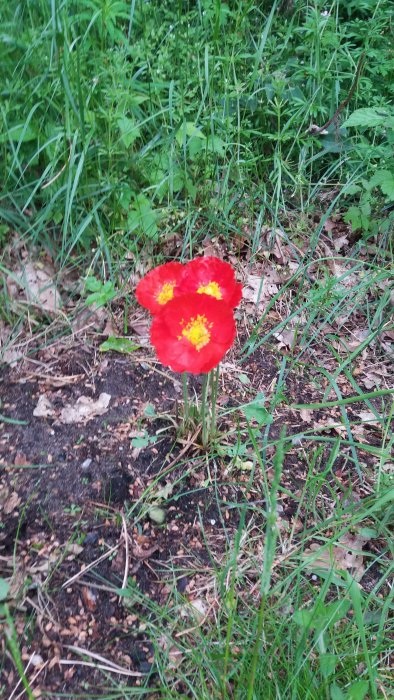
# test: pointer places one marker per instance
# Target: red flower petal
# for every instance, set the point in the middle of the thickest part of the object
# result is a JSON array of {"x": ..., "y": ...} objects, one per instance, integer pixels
[
  {"x": 192, "y": 333},
  {"x": 158, "y": 286},
  {"x": 211, "y": 276}
]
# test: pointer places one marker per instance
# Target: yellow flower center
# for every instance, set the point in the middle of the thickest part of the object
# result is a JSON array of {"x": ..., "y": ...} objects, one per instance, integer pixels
[
  {"x": 212, "y": 288},
  {"x": 166, "y": 293},
  {"x": 197, "y": 331}
]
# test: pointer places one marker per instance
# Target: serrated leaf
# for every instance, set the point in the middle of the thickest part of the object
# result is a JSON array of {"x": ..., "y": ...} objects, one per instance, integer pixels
[
  {"x": 92, "y": 284},
  {"x": 118, "y": 345},
  {"x": 255, "y": 410},
  {"x": 128, "y": 129},
  {"x": 357, "y": 218},
  {"x": 104, "y": 294},
  {"x": 367, "y": 117},
  {"x": 385, "y": 180}
]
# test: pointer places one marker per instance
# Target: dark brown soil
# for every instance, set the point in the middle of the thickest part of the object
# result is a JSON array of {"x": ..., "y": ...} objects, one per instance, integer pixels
[{"x": 68, "y": 490}]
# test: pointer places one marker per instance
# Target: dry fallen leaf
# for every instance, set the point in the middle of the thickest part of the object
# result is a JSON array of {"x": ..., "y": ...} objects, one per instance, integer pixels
[
  {"x": 38, "y": 287},
  {"x": 12, "y": 503},
  {"x": 259, "y": 288},
  {"x": 286, "y": 338},
  {"x": 340, "y": 243},
  {"x": 89, "y": 598},
  {"x": 346, "y": 554},
  {"x": 44, "y": 408},
  {"x": 85, "y": 409}
]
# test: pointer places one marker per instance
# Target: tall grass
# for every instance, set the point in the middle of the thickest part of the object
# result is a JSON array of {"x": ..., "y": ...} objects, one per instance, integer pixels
[{"x": 116, "y": 113}]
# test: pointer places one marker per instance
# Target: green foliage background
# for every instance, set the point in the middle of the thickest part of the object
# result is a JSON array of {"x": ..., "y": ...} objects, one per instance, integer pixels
[{"x": 115, "y": 113}]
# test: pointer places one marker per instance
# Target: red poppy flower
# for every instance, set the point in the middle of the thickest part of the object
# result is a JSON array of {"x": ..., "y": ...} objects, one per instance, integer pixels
[
  {"x": 209, "y": 275},
  {"x": 158, "y": 286},
  {"x": 193, "y": 332}
]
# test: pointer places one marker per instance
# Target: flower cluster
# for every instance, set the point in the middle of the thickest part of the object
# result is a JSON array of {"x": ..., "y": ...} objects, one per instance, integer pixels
[{"x": 192, "y": 305}]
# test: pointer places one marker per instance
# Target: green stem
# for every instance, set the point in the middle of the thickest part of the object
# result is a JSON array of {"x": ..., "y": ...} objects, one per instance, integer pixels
[
  {"x": 186, "y": 412},
  {"x": 214, "y": 396},
  {"x": 204, "y": 409}
]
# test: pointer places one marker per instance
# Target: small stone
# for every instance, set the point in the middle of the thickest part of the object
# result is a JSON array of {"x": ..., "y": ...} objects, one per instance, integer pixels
[
  {"x": 36, "y": 660},
  {"x": 86, "y": 464}
]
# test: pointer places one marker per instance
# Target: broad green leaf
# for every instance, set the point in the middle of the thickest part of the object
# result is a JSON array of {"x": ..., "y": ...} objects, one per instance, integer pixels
[
  {"x": 143, "y": 217},
  {"x": 357, "y": 218},
  {"x": 336, "y": 693},
  {"x": 216, "y": 145},
  {"x": 4, "y": 588},
  {"x": 368, "y": 117},
  {"x": 128, "y": 129},
  {"x": 141, "y": 442},
  {"x": 255, "y": 410},
  {"x": 18, "y": 133},
  {"x": 385, "y": 180},
  {"x": 322, "y": 615},
  {"x": 357, "y": 691},
  {"x": 188, "y": 130},
  {"x": 118, "y": 345},
  {"x": 328, "y": 663}
]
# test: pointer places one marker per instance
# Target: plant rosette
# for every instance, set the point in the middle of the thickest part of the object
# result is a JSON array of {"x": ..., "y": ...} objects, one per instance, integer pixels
[
  {"x": 193, "y": 332},
  {"x": 159, "y": 286},
  {"x": 213, "y": 277}
]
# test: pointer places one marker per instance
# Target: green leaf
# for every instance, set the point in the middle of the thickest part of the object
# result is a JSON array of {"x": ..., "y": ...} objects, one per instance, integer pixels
[
  {"x": 149, "y": 411},
  {"x": 118, "y": 345},
  {"x": 328, "y": 663},
  {"x": 186, "y": 131},
  {"x": 17, "y": 133},
  {"x": 357, "y": 691},
  {"x": 92, "y": 284},
  {"x": 141, "y": 442},
  {"x": 255, "y": 410},
  {"x": 357, "y": 218},
  {"x": 368, "y": 117},
  {"x": 322, "y": 615},
  {"x": 143, "y": 217},
  {"x": 102, "y": 294},
  {"x": 336, "y": 693},
  {"x": 4, "y": 588},
  {"x": 129, "y": 131},
  {"x": 217, "y": 145},
  {"x": 385, "y": 180},
  {"x": 244, "y": 379}
]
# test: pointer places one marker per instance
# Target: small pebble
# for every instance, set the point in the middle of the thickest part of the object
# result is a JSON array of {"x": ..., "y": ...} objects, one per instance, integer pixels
[
  {"x": 86, "y": 464},
  {"x": 91, "y": 538}
]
